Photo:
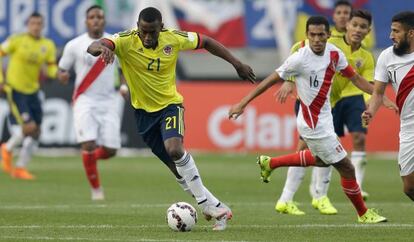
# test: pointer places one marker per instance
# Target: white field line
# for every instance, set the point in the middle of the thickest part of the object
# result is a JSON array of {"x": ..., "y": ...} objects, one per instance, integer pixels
[
  {"x": 43, "y": 238},
  {"x": 165, "y": 205},
  {"x": 242, "y": 226}
]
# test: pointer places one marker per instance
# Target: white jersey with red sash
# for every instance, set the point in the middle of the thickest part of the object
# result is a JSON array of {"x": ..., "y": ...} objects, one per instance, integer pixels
[
  {"x": 399, "y": 70},
  {"x": 94, "y": 80},
  {"x": 313, "y": 74}
]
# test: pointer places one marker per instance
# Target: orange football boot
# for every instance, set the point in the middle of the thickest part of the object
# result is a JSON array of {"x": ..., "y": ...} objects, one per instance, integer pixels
[
  {"x": 6, "y": 157},
  {"x": 22, "y": 173}
]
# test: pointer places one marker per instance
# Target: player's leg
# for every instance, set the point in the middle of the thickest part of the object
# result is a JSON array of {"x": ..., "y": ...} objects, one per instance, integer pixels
[
  {"x": 294, "y": 178},
  {"x": 86, "y": 129},
  {"x": 406, "y": 161},
  {"x": 17, "y": 106},
  {"x": 354, "y": 106},
  {"x": 32, "y": 133},
  {"x": 109, "y": 137},
  {"x": 172, "y": 129}
]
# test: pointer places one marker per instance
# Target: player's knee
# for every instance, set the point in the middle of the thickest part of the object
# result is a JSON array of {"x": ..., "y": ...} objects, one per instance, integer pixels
[
  {"x": 111, "y": 152},
  {"x": 88, "y": 146},
  {"x": 31, "y": 129},
  {"x": 359, "y": 140},
  {"x": 409, "y": 191},
  {"x": 175, "y": 152},
  {"x": 345, "y": 168}
]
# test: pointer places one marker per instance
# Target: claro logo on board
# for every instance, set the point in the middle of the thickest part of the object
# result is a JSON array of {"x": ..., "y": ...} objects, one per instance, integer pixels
[{"x": 252, "y": 130}]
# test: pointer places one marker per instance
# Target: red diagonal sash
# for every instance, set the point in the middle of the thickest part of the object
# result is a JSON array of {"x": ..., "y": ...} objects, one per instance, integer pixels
[{"x": 87, "y": 81}]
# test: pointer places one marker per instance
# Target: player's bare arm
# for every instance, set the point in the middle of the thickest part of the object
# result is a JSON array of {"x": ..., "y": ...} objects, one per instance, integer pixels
[
  {"x": 214, "y": 47},
  {"x": 365, "y": 86},
  {"x": 104, "y": 48},
  {"x": 284, "y": 91},
  {"x": 236, "y": 110},
  {"x": 375, "y": 102}
]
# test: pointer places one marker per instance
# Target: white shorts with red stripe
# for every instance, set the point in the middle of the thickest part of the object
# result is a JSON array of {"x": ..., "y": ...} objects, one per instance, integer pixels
[
  {"x": 99, "y": 124},
  {"x": 328, "y": 149}
]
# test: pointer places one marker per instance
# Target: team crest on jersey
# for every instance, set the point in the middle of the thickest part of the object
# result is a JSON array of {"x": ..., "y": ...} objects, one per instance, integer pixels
[
  {"x": 358, "y": 63},
  {"x": 168, "y": 50}
]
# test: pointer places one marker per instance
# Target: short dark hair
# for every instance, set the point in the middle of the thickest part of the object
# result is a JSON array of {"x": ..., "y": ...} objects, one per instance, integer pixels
[
  {"x": 35, "y": 15},
  {"x": 362, "y": 13},
  {"x": 150, "y": 15},
  {"x": 92, "y": 8},
  {"x": 317, "y": 20},
  {"x": 406, "y": 18},
  {"x": 342, "y": 3}
]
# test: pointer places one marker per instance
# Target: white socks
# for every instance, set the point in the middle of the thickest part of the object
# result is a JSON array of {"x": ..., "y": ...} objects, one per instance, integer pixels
[
  {"x": 358, "y": 159},
  {"x": 16, "y": 137},
  {"x": 211, "y": 199},
  {"x": 293, "y": 180},
  {"x": 187, "y": 169},
  {"x": 321, "y": 177},
  {"x": 28, "y": 147}
]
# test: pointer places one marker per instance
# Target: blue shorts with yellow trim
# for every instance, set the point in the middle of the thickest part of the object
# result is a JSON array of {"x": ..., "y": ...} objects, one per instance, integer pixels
[
  {"x": 156, "y": 127},
  {"x": 347, "y": 111},
  {"x": 24, "y": 107}
]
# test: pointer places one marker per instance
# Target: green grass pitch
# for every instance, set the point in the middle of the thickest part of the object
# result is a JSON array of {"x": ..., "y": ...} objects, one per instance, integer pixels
[{"x": 57, "y": 206}]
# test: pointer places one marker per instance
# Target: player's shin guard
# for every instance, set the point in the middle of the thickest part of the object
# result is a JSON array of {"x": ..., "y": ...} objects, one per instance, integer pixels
[
  {"x": 358, "y": 159},
  {"x": 293, "y": 180},
  {"x": 101, "y": 153},
  {"x": 89, "y": 163},
  {"x": 323, "y": 178},
  {"x": 25, "y": 155},
  {"x": 186, "y": 167},
  {"x": 301, "y": 158},
  {"x": 352, "y": 191}
]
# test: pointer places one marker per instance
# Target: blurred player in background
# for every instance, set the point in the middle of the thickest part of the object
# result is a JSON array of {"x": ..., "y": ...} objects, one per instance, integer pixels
[
  {"x": 96, "y": 119},
  {"x": 148, "y": 57},
  {"x": 313, "y": 68},
  {"x": 28, "y": 52},
  {"x": 396, "y": 65},
  {"x": 348, "y": 104}
]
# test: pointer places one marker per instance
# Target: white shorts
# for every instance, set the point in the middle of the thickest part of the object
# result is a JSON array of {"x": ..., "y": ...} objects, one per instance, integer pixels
[
  {"x": 328, "y": 149},
  {"x": 101, "y": 125},
  {"x": 406, "y": 152}
]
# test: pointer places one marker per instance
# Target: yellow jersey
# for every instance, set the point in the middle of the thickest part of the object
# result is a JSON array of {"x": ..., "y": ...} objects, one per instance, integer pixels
[
  {"x": 368, "y": 42},
  {"x": 27, "y": 57},
  {"x": 363, "y": 63},
  {"x": 150, "y": 73}
]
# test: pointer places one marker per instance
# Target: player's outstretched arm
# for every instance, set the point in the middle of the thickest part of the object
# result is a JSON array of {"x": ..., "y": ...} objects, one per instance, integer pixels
[
  {"x": 216, "y": 48},
  {"x": 236, "y": 110},
  {"x": 375, "y": 102},
  {"x": 104, "y": 48}
]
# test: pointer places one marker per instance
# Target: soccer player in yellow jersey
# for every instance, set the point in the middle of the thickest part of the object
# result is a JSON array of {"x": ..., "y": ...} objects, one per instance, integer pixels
[
  {"x": 348, "y": 104},
  {"x": 341, "y": 15},
  {"x": 148, "y": 57},
  {"x": 28, "y": 52}
]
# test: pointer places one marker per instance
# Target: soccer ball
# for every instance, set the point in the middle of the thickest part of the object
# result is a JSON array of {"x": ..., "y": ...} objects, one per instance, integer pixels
[{"x": 181, "y": 217}]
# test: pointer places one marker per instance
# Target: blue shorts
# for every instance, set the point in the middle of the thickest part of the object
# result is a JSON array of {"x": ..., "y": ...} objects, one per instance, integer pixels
[
  {"x": 348, "y": 112},
  {"x": 156, "y": 127},
  {"x": 24, "y": 107}
]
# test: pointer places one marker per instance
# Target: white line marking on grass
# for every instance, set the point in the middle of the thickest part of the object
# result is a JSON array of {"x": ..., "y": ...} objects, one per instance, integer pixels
[
  {"x": 100, "y": 239},
  {"x": 258, "y": 226},
  {"x": 165, "y": 205}
]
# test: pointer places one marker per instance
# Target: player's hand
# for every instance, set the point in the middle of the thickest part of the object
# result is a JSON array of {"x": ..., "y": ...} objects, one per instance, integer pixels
[
  {"x": 107, "y": 55},
  {"x": 389, "y": 104},
  {"x": 245, "y": 72},
  {"x": 284, "y": 91},
  {"x": 63, "y": 76},
  {"x": 235, "y": 111},
  {"x": 366, "y": 117}
]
